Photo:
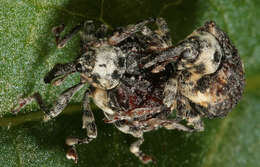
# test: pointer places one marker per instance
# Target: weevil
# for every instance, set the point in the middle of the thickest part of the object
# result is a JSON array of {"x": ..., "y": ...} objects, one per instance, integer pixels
[{"x": 139, "y": 79}]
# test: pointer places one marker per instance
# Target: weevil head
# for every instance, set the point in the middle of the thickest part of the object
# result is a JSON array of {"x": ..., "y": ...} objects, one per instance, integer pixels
[{"x": 103, "y": 66}]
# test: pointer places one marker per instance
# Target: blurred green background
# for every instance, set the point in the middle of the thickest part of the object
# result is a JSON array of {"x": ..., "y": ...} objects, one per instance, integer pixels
[{"x": 28, "y": 52}]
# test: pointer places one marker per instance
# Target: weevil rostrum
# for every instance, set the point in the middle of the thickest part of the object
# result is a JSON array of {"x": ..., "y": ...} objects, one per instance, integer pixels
[{"x": 139, "y": 79}]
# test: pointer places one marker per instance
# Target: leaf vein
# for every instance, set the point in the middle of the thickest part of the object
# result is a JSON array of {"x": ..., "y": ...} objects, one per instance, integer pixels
[{"x": 17, "y": 153}]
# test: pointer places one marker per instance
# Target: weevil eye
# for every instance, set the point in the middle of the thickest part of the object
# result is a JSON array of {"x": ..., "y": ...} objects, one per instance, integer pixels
[
  {"x": 189, "y": 54},
  {"x": 185, "y": 54},
  {"x": 191, "y": 50},
  {"x": 79, "y": 67}
]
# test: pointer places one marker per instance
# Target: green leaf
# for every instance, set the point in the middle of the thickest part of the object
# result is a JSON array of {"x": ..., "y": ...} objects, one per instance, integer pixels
[{"x": 28, "y": 52}]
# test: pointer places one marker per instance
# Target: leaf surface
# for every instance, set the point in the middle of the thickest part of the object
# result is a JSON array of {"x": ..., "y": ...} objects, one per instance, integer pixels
[{"x": 28, "y": 52}]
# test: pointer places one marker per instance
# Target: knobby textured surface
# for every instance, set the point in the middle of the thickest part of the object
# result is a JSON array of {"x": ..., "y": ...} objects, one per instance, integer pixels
[{"x": 28, "y": 52}]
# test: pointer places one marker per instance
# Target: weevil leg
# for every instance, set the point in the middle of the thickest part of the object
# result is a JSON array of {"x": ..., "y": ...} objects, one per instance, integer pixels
[
  {"x": 63, "y": 101},
  {"x": 128, "y": 31},
  {"x": 170, "y": 93},
  {"x": 72, "y": 142},
  {"x": 165, "y": 56},
  {"x": 158, "y": 39},
  {"x": 189, "y": 113},
  {"x": 59, "y": 106},
  {"x": 88, "y": 33},
  {"x": 62, "y": 41},
  {"x": 135, "y": 114},
  {"x": 164, "y": 31},
  {"x": 152, "y": 39},
  {"x": 88, "y": 119},
  {"x": 129, "y": 128},
  {"x": 88, "y": 123},
  {"x": 173, "y": 124},
  {"x": 135, "y": 149},
  {"x": 22, "y": 102},
  {"x": 162, "y": 54},
  {"x": 155, "y": 123},
  {"x": 59, "y": 71},
  {"x": 196, "y": 122},
  {"x": 101, "y": 31}
]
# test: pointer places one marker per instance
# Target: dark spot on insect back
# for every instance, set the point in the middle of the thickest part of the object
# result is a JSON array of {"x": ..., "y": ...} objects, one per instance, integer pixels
[
  {"x": 121, "y": 62},
  {"x": 216, "y": 57},
  {"x": 205, "y": 44},
  {"x": 79, "y": 67},
  {"x": 203, "y": 84},
  {"x": 115, "y": 75},
  {"x": 185, "y": 75},
  {"x": 200, "y": 69},
  {"x": 102, "y": 65},
  {"x": 95, "y": 78}
]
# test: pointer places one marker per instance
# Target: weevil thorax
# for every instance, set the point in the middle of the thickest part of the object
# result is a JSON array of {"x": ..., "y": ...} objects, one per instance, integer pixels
[{"x": 102, "y": 66}]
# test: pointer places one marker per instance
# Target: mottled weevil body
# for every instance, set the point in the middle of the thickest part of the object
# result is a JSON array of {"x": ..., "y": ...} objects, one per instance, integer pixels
[{"x": 138, "y": 79}]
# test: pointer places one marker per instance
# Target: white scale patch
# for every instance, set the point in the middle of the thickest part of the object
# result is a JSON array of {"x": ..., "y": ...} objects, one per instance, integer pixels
[
  {"x": 106, "y": 65},
  {"x": 207, "y": 54},
  {"x": 206, "y": 57},
  {"x": 101, "y": 100}
]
